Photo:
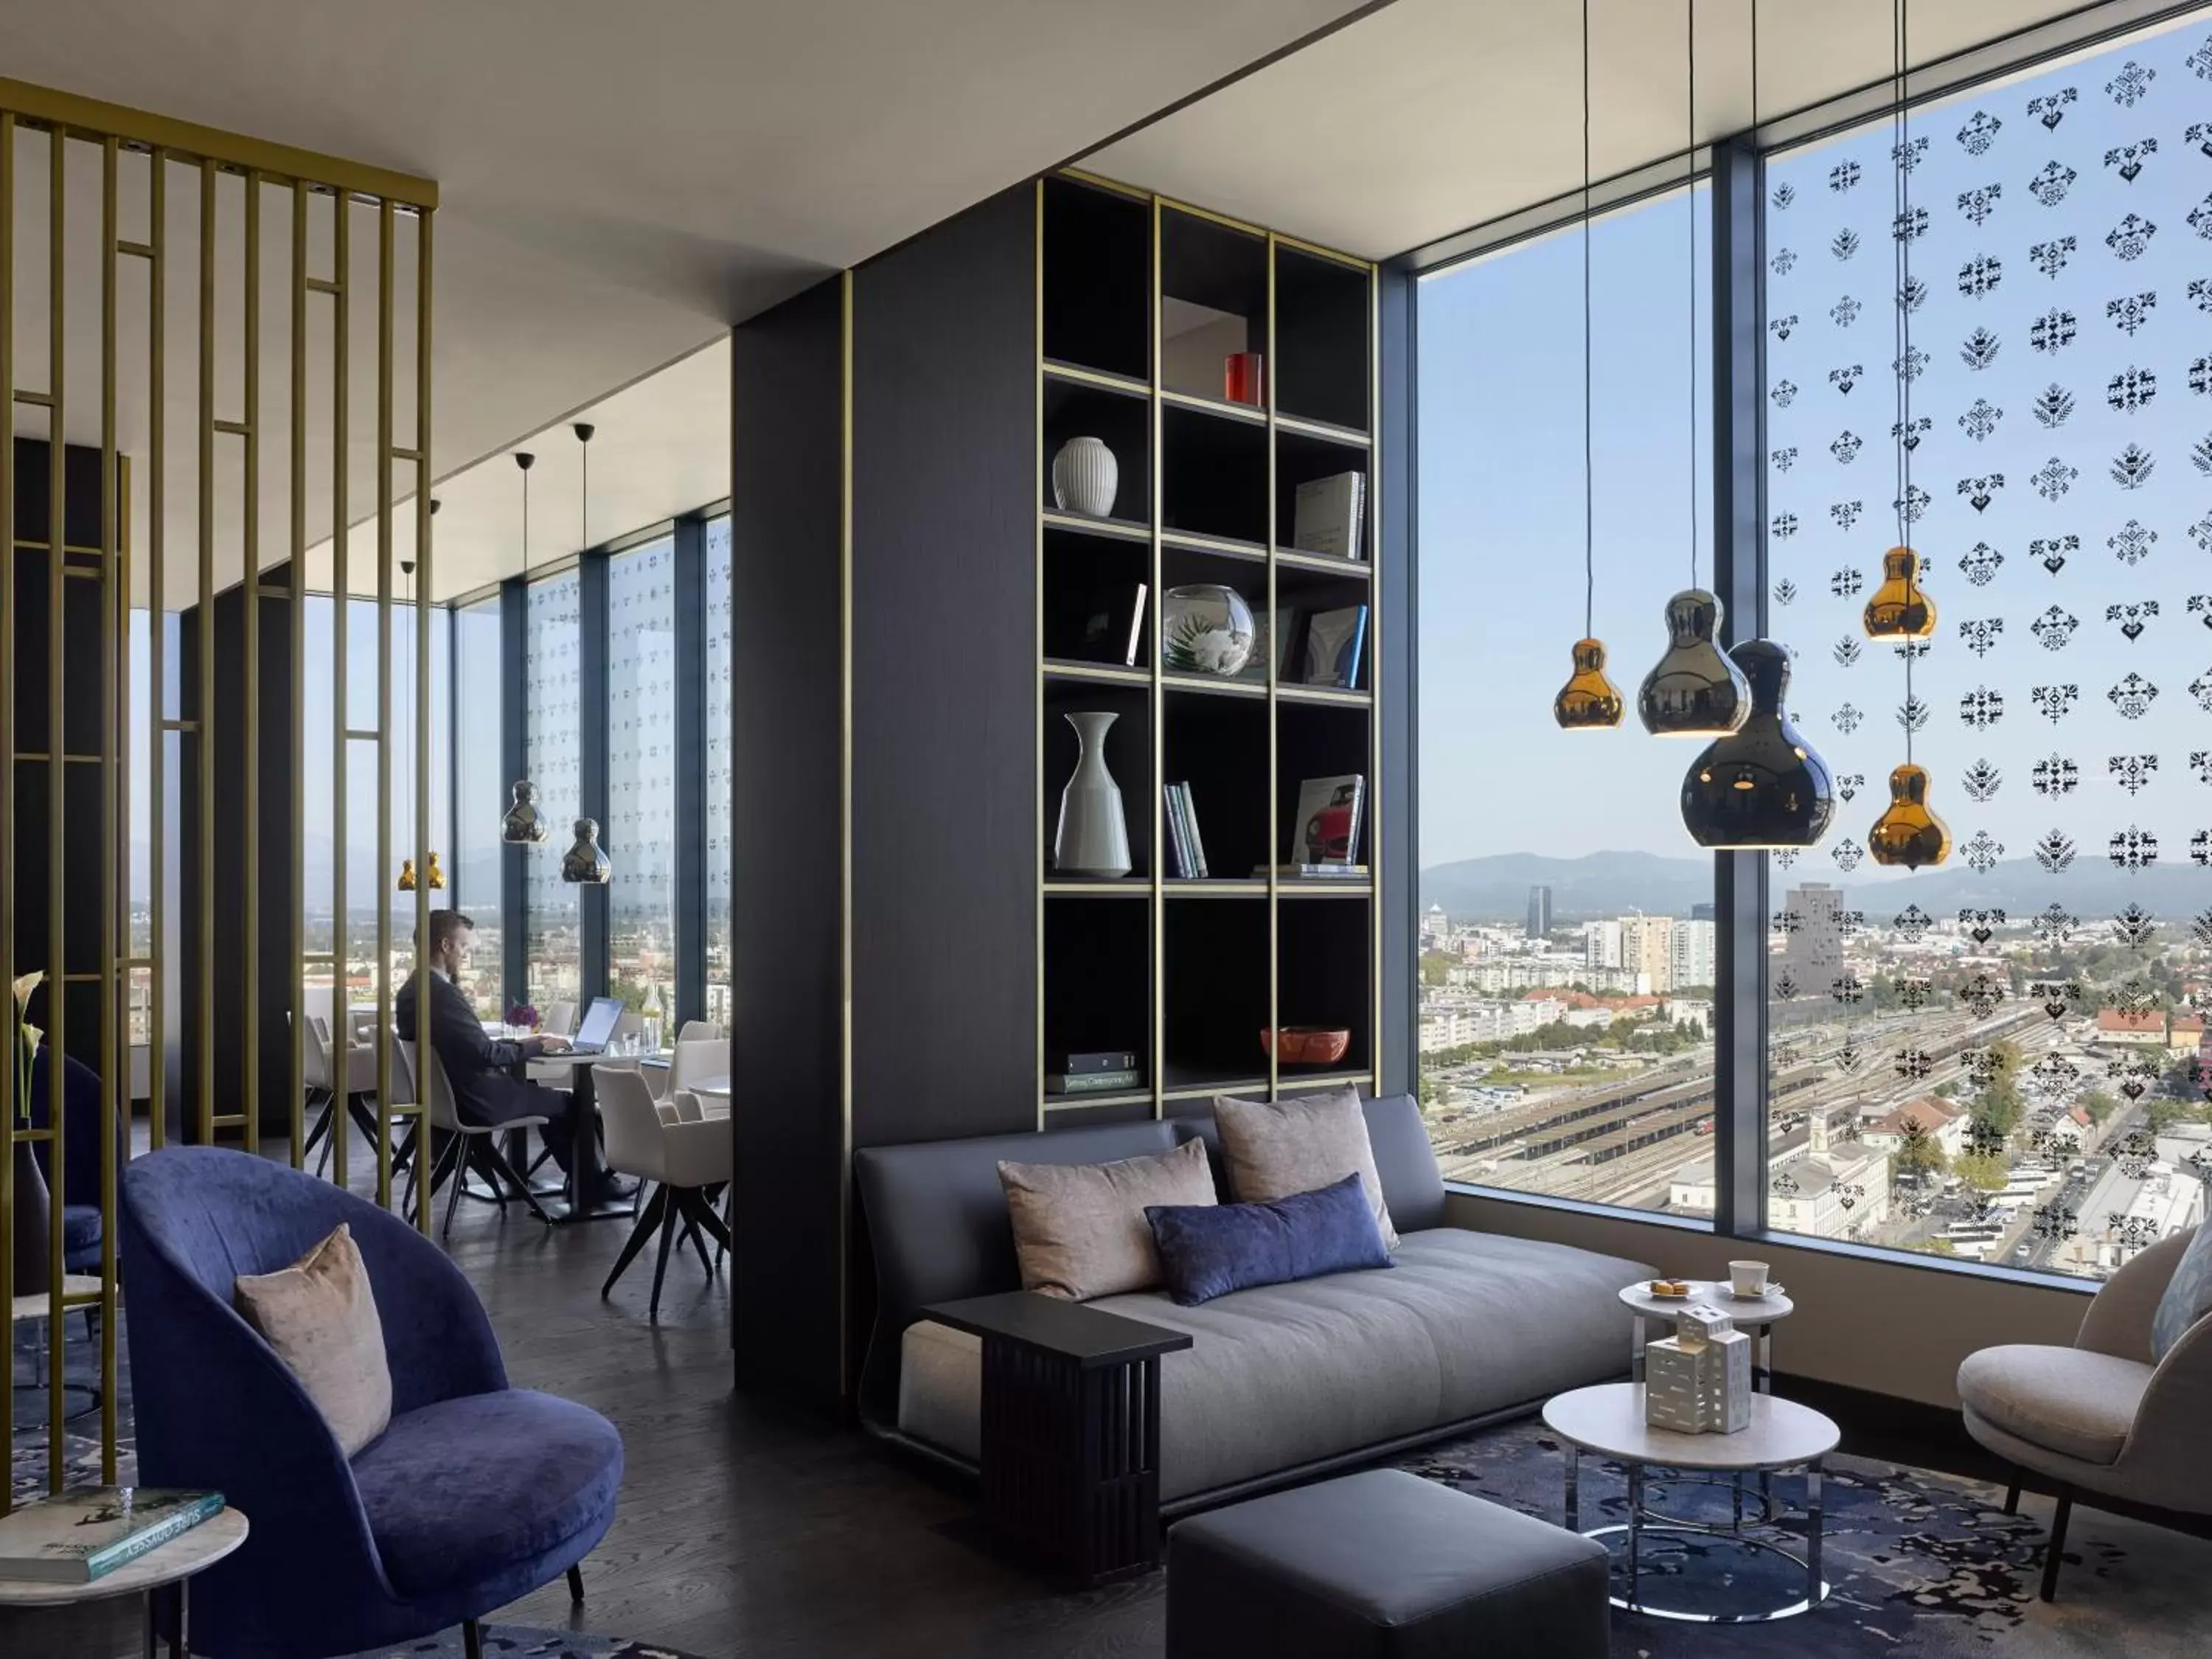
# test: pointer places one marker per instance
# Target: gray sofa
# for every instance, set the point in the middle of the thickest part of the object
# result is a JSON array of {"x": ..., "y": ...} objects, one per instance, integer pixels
[{"x": 1280, "y": 1383}]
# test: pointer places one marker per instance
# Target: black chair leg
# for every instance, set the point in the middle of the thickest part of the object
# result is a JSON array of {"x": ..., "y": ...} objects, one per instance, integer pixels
[
  {"x": 577, "y": 1585},
  {"x": 660, "y": 1267},
  {"x": 691, "y": 1234},
  {"x": 707, "y": 1219},
  {"x": 648, "y": 1219},
  {"x": 2056, "y": 1547},
  {"x": 501, "y": 1175},
  {"x": 471, "y": 1639},
  {"x": 457, "y": 1178},
  {"x": 2012, "y": 1497}
]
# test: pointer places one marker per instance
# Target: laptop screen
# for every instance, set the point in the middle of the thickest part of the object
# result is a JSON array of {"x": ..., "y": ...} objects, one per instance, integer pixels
[{"x": 599, "y": 1025}]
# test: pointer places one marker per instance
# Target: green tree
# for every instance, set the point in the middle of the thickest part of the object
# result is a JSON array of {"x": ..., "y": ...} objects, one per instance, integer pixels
[
  {"x": 2098, "y": 1105},
  {"x": 1985, "y": 1172},
  {"x": 1933, "y": 1247},
  {"x": 1947, "y": 1088},
  {"x": 1437, "y": 966},
  {"x": 1918, "y": 1157}
]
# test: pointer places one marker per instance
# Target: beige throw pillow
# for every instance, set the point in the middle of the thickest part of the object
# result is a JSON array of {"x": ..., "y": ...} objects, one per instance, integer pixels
[
  {"x": 1275, "y": 1148},
  {"x": 1079, "y": 1228},
  {"x": 320, "y": 1316}
]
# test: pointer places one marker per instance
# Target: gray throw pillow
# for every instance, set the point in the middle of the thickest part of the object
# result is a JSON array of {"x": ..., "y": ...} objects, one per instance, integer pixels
[
  {"x": 2188, "y": 1296},
  {"x": 1079, "y": 1228},
  {"x": 1274, "y": 1148},
  {"x": 320, "y": 1315}
]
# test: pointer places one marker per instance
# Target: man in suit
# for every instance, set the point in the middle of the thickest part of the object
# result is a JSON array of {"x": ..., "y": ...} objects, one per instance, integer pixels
[{"x": 482, "y": 1072}]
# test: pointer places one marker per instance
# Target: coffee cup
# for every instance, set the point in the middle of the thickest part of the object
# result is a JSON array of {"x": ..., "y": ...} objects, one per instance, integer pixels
[{"x": 1747, "y": 1278}]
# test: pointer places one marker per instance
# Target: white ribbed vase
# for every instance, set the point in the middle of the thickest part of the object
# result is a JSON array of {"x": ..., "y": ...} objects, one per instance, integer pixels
[{"x": 1084, "y": 476}]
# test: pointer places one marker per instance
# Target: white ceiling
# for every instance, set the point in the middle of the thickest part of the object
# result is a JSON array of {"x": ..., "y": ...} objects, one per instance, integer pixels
[
  {"x": 620, "y": 183},
  {"x": 1431, "y": 116}
]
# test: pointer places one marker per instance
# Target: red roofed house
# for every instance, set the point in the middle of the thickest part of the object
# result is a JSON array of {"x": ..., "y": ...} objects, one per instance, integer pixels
[
  {"x": 2119, "y": 1025},
  {"x": 1941, "y": 1121}
]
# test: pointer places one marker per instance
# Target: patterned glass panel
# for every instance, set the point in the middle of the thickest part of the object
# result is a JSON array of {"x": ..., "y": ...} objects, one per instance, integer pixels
[
  {"x": 476, "y": 861},
  {"x": 552, "y": 751},
  {"x": 641, "y": 834},
  {"x": 718, "y": 771},
  {"x": 1999, "y": 1058}
]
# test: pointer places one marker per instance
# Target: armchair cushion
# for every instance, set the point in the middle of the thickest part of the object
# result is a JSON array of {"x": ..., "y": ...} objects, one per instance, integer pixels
[
  {"x": 2072, "y": 1402},
  {"x": 320, "y": 1315},
  {"x": 474, "y": 1489},
  {"x": 2188, "y": 1296}
]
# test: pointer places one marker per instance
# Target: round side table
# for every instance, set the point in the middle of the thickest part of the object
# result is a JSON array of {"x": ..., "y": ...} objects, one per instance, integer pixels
[
  {"x": 1755, "y": 1315},
  {"x": 160, "y": 1574}
]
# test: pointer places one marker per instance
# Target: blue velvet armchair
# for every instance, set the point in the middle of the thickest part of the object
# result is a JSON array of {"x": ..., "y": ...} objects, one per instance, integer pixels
[
  {"x": 80, "y": 1196},
  {"x": 478, "y": 1493}
]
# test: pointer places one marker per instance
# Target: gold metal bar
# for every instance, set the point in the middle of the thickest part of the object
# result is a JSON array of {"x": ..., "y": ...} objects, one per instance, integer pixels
[
  {"x": 1373, "y": 532},
  {"x": 114, "y": 1055},
  {"x": 181, "y": 725},
  {"x": 403, "y": 452},
  {"x": 341, "y": 587},
  {"x": 845, "y": 831},
  {"x": 364, "y": 734},
  {"x": 205, "y": 1002},
  {"x": 249, "y": 597},
  {"x": 37, "y": 399},
  {"x": 157, "y": 643},
  {"x": 1155, "y": 670},
  {"x": 135, "y": 250},
  {"x": 1036, "y": 502},
  {"x": 56, "y": 792},
  {"x": 297, "y": 593},
  {"x": 424, "y": 227},
  {"x": 1274, "y": 706},
  {"x": 138, "y": 128},
  {"x": 384, "y": 704},
  {"x": 9, "y": 1026},
  {"x": 235, "y": 428},
  {"x": 322, "y": 285}
]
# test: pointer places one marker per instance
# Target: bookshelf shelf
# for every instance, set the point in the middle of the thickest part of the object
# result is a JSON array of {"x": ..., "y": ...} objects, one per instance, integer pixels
[{"x": 1189, "y": 971}]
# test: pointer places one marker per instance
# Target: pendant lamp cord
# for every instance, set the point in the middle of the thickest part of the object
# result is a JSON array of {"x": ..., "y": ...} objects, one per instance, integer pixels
[
  {"x": 1590, "y": 484},
  {"x": 1690, "y": 211},
  {"x": 1901, "y": 159}
]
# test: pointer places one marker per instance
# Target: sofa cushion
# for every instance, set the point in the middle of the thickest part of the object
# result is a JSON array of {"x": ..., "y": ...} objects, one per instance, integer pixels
[
  {"x": 1469, "y": 1324},
  {"x": 2188, "y": 1296},
  {"x": 536, "y": 1472},
  {"x": 1273, "y": 1148},
  {"x": 2074, "y": 1401},
  {"x": 1079, "y": 1228},
  {"x": 1208, "y": 1251},
  {"x": 320, "y": 1315}
]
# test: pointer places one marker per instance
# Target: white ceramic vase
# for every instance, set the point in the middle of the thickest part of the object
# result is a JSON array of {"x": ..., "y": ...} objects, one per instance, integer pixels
[
  {"x": 1084, "y": 476},
  {"x": 1093, "y": 839}
]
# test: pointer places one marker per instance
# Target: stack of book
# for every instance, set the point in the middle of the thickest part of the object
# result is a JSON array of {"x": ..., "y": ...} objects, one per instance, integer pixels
[
  {"x": 1189, "y": 852},
  {"x": 1329, "y": 515},
  {"x": 1096, "y": 1071},
  {"x": 87, "y": 1532},
  {"x": 1310, "y": 648}
]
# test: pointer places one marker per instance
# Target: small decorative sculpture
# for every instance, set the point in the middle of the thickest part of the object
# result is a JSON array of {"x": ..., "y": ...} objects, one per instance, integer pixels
[
  {"x": 524, "y": 825},
  {"x": 584, "y": 864},
  {"x": 1698, "y": 1380}
]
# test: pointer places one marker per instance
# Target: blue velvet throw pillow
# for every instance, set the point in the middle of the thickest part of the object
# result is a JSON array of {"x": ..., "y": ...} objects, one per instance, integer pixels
[{"x": 1210, "y": 1249}]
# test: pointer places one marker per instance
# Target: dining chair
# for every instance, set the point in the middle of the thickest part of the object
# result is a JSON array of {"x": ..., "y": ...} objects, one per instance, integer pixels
[
  {"x": 468, "y": 1145},
  {"x": 696, "y": 1058},
  {"x": 560, "y": 1019},
  {"x": 684, "y": 1161},
  {"x": 699, "y": 1030},
  {"x": 319, "y": 1068}
]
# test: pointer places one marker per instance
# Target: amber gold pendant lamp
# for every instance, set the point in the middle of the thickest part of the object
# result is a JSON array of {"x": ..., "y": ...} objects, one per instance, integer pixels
[
  {"x": 1695, "y": 690},
  {"x": 524, "y": 825},
  {"x": 1908, "y": 835},
  {"x": 1588, "y": 702}
]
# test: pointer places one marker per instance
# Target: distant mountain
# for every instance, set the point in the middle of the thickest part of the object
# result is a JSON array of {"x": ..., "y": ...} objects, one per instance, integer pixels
[{"x": 1496, "y": 887}]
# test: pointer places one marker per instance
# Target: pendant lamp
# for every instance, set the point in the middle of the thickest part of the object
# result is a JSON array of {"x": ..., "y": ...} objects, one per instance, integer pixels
[
  {"x": 524, "y": 826},
  {"x": 1762, "y": 787},
  {"x": 1588, "y": 702},
  {"x": 1695, "y": 691},
  {"x": 437, "y": 877},
  {"x": 585, "y": 863},
  {"x": 1908, "y": 835}
]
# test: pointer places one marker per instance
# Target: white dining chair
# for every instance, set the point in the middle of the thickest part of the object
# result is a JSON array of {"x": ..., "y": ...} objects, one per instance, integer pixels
[
  {"x": 559, "y": 1020},
  {"x": 685, "y": 1162},
  {"x": 319, "y": 1064},
  {"x": 696, "y": 1058},
  {"x": 469, "y": 1146},
  {"x": 699, "y": 1030}
]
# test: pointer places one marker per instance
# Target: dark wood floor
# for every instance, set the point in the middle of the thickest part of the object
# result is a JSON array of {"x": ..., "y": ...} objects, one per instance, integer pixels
[{"x": 746, "y": 1530}]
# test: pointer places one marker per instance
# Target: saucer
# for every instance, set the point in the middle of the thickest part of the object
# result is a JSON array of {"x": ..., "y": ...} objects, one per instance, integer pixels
[{"x": 1771, "y": 1289}]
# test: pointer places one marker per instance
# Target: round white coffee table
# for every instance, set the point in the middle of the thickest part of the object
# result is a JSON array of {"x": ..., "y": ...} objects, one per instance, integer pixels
[
  {"x": 165, "y": 1569},
  {"x": 1755, "y": 1315},
  {"x": 1608, "y": 1421}
]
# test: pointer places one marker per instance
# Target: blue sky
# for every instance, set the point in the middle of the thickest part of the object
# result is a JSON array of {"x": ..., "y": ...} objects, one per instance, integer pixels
[{"x": 1501, "y": 475}]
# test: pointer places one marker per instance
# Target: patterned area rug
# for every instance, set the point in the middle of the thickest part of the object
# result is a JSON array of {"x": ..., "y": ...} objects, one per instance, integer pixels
[
  {"x": 1919, "y": 1565},
  {"x": 522, "y": 1642}
]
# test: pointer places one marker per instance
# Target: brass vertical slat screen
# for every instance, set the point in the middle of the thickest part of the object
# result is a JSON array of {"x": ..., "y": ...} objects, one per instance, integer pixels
[{"x": 137, "y": 872}]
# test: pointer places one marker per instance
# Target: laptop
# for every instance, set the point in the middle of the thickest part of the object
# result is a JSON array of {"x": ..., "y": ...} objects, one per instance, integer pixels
[{"x": 598, "y": 1026}]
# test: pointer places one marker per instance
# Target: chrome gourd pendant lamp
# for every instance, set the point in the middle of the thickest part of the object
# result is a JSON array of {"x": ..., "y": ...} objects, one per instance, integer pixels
[
  {"x": 1695, "y": 690},
  {"x": 1908, "y": 835},
  {"x": 1761, "y": 787},
  {"x": 585, "y": 865},
  {"x": 524, "y": 824},
  {"x": 1588, "y": 702}
]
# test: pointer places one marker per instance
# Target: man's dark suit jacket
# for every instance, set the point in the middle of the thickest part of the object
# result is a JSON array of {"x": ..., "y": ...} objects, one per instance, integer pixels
[{"x": 477, "y": 1066}]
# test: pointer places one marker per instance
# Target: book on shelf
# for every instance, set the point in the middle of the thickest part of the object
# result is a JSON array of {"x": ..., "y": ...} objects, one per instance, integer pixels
[
  {"x": 1326, "y": 830},
  {"x": 1078, "y": 1063},
  {"x": 1093, "y": 1083},
  {"x": 1273, "y": 635},
  {"x": 87, "y": 1532},
  {"x": 1179, "y": 851},
  {"x": 1327, "y": 515},
  {"x": 1116, "y": 630},
  {"x": 1312, "y": 872},
  {"x": 1190, "y": 828},
  {"x": 1335, "y": 640}
]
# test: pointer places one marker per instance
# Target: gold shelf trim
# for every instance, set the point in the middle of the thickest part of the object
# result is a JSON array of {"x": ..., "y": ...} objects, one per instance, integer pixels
[{"x": 1120, "y": 530}]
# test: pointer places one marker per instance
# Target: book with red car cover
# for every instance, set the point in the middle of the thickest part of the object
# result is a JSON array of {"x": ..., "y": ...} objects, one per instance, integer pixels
[{"x": 1326, "y": 828}]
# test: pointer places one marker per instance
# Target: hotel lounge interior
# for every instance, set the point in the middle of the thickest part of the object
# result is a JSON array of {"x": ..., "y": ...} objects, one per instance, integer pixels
[{"x": 1304, "y": 829}]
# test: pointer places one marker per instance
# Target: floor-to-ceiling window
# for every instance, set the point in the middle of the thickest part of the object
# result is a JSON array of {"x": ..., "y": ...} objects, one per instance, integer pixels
[
  {"x": 1567, "y": 937},
  {"x": 480, "y": 787},
  {"x": 552, "y": 756},
  {"x": 718, "y": 769},
  {"x": 641, "y": 762},
  {"x": 1995, "y": 1059}
]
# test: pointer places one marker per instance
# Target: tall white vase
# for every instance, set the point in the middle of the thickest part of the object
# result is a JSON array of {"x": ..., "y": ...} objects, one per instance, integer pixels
[
  {"x": 1094, "y": 837},
  {"x": 1084, "y": 476}
]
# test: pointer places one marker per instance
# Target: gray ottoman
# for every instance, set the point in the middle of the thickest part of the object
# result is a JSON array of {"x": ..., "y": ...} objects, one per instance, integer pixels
[{"x": 1381, "y": 1563}]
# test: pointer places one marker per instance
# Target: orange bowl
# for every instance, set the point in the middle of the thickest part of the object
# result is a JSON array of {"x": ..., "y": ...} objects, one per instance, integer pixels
[{"x": 1306, "y": 1045}]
